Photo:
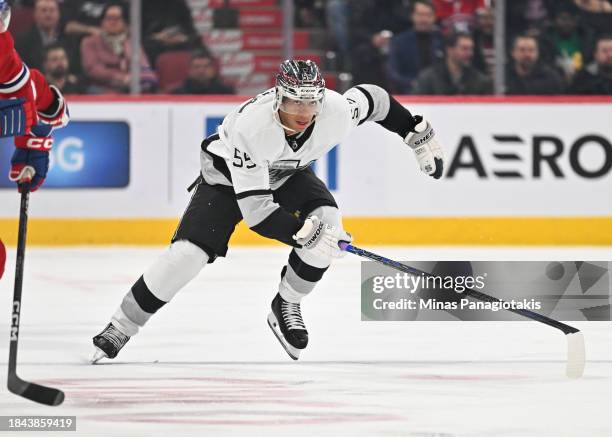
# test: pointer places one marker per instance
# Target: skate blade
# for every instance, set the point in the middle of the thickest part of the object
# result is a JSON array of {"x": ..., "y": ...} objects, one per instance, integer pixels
[
  {"x": 98, "y": 355},
  {"x": 293, "y": 352}
]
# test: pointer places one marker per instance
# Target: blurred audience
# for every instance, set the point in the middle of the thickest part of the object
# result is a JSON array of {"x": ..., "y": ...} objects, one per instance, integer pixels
[
  {"x": 484, "y": 41},
  {"x": 387, "y": 42},
  {"x": 368, "y": 17},
  {"x": 416, "y": 49},
  {"x": 337, "y": 13},
  {"x": 45, "y": 31},
  {"x": 203, "y": 77},
  {"x": 167, "y": 25},
  {"x": 371, "y": 59},
  {"x": 106, "y": 56},
  {"x": 525, "y": 15},
  {"x": 566, "y": 44},
  {"x": 598, "y": 13},
  {"x": 83, "y": 17},
  {"x": 56, "y": 69},
  {"x": 454, "y": 75},
  {"x": 309, "y": 13},
  {"x": 597, "y": 77},
  {"x": 457, "y": 15},
  {"x": 527, "y": 75}
]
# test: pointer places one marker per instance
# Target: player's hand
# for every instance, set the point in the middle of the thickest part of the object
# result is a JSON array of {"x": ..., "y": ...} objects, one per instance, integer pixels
[
  {"x": 426, "y": 148},
  {"x": 30, "y": 161},
  {"x": 56, "y": 115},
  {"x": 16, "y": 117},
  {"x": 322, "y": 238}
]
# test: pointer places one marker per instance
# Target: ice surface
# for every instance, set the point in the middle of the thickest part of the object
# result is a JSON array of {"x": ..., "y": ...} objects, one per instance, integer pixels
[{"x": 208, "y": 365}]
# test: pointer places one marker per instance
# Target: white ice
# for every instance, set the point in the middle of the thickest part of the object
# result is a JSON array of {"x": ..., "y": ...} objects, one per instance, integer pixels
[{"x": 208, "y": 365}]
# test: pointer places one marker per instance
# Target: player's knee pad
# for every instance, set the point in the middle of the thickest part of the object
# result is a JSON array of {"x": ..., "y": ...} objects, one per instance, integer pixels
[
  {"x": 179, "y": 264},
  {"x": 330, "y": 215}
]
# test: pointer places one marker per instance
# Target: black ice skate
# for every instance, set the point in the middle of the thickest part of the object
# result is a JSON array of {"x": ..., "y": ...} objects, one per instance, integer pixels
[
  {"x": 108, "y": 343},
  {"x": 286, "y": 322}
]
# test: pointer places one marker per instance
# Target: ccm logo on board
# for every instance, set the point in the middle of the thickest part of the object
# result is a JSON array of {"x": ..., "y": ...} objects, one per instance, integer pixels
[{"x": 515, "y": 157}]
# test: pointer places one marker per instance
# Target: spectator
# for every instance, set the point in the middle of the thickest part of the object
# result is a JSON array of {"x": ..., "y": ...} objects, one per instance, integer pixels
[
  {"x": 167, "y": 25},
  {"x": 457, "y": 15},
  {"x": 337, "y": 14},
  {"x": 46, "y": 31},
  {"x": 454, "y": 75},
  {"x": 523, "y": 15},
  {"x": 309, "y": 13},
  {"x": 83, "y": 17},
  {"x": 371, "y": 57},
  {"x": 56, "y": 69},
  {"x": 203, "y": 77},
  {"x": 106, "y": 57},
  {"x": 567, "y": 44},
  {"x": 527, "y": 75},
  {"x": 597, "y": 77},
  {"x": 368, "y": 17},
  {"x": 484, "y": 42},
  {"x": 414, "y": 50},
  {"x": 598, "y": 13}
]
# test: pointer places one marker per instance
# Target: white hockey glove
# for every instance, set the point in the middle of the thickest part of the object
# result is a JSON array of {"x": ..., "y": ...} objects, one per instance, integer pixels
[
  {"x": 426, "y": 148},
  {"x": 321, "y": 238}
]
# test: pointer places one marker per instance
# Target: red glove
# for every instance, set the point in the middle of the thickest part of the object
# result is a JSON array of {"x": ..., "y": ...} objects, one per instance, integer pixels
[{"x": 30, "y": 162}]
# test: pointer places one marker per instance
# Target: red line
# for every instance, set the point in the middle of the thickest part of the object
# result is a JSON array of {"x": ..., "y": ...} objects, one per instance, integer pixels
[{"x": 161, "y": 98}]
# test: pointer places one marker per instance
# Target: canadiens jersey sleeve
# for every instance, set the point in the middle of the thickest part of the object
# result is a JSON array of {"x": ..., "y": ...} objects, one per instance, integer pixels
[
  {"x": 14, "y": 74},
  {"x": 372, "y": 103},
  {"x": 250, "y": 178}
]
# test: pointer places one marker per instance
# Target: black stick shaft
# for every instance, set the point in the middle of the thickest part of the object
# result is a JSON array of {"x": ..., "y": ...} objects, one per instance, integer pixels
[
  {"x": 16, "y": 310},
  {"x": 468, "y": 292}
]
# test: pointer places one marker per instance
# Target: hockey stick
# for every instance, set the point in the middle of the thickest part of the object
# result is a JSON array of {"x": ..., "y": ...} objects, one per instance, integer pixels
[
  {"x": 575, "y": 339},
  {"x": 28, "y": 390}
]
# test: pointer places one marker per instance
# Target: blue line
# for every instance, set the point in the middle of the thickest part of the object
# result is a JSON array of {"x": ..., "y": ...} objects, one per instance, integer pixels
[{"x": 332, "y": 169}]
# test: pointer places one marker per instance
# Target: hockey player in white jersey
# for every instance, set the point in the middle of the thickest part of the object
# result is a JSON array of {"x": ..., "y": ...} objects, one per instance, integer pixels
[{"x": 257, "y": 168}]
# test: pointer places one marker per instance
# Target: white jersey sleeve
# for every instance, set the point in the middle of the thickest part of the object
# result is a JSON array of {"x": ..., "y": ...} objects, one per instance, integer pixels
[
  {"x": 368, "y": 103},
  {"x": 372, "y": 103}
]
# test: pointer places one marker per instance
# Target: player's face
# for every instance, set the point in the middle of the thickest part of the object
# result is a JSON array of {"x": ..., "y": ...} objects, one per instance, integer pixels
[{"x": 298, "y": 114}]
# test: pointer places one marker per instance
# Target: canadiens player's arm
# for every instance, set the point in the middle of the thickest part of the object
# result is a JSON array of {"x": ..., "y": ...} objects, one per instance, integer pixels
[
  {"x": 372, "y": 103},
  {"x": 259, "y": 210},
  {"x": 41, "y": 102}
]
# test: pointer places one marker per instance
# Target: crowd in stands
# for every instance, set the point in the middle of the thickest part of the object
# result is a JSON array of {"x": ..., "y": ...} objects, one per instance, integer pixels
[
  {"x": 432, "y": 47},
  {"x": 84, "y": 47},
  {"x": 446, "y": 47}
]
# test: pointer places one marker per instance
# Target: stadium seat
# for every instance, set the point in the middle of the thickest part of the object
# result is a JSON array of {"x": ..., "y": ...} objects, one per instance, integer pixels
[{"x": 172, "y": 68}]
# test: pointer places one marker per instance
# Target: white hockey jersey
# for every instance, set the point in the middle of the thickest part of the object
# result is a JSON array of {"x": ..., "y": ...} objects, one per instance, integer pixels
[{"x": 252, "y": 152}]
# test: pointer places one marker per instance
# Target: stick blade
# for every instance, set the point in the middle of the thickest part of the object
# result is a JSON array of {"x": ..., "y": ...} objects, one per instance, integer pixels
[
  {"x": 35, "y": 392},
  {"x": 575, "y": 355}
]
